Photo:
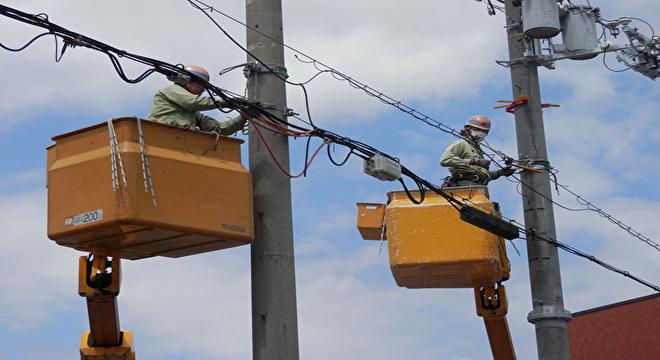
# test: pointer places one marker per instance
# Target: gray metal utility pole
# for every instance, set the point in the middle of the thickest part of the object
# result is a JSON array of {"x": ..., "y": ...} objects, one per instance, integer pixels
[
  {"x": 548, "y": 314},
  {"x": 274, "y": 317}
]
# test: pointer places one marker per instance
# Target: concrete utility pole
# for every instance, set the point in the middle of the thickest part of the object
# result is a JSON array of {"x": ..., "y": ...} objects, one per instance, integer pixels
[
  {"x": 548, "y": 314},
  {"x": 274, "y": 317}
]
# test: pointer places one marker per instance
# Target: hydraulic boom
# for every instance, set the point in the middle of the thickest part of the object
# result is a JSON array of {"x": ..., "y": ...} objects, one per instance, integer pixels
[
  {"x": 492, "y": 306},
  {"x": 98, "y": 281}
]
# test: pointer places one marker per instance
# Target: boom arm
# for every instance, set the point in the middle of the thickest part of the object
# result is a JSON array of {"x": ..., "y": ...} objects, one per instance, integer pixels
[
  {"x": 98, "y": 282},
  {"x": 492, "y": 306}
]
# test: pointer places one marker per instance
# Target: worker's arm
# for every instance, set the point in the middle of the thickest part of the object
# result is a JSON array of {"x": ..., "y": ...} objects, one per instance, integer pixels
[
  {"x": 228, "y": 127},
  {"x": 454, "y": 156},
  {"x": 188, "y": 101},
  {"x": 494, "y": 174},
  {"x": 460, "y": 157},
  {"x": 505, "y": 171}
]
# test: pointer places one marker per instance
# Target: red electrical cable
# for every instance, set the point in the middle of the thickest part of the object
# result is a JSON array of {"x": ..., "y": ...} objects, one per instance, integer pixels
[
  {"x": 282, "y": 129},
  {"x": 272, "y": 155}
]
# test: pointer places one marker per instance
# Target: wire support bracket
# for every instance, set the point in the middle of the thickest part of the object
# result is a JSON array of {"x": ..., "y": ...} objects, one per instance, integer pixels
[
  {"x": 512, "y": 62},
  {"x": 531, "y": 164},
  {"x": 255, "y": 68}
]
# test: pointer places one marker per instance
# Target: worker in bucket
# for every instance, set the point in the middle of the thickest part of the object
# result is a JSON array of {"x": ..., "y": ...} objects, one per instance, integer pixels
[
  {"x": 465, "y": 159},
  {"x": 179, "y": 105}
]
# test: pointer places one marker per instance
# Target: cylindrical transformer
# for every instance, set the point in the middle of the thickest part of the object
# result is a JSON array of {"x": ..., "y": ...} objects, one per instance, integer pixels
[
  {"x": 578, "y": 31},
  {"x": 540, "y": 18}
]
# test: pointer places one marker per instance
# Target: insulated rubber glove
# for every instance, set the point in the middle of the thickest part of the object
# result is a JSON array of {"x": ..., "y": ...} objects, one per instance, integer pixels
[
  {"x": 480, "y": 162},
  {"x": 507, "y": 171}
]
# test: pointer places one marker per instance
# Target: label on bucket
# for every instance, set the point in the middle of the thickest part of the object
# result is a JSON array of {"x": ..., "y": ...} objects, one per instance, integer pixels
[{"x": 85, "y": 218}]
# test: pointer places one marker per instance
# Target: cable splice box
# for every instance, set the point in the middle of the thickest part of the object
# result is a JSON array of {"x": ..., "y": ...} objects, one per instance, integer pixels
[
  {"x": 100, "y": 199},
  {"x": 382, "y": 168}
]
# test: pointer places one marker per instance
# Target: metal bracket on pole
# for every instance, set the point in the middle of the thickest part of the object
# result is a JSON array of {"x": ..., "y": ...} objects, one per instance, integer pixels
[
  {"x": 557, "y": 52},
  {"x": 548, "y": 312},
  {"x": 256, "y": 67},
  {"x": 290, "y": 112},
  {"x": 510, "y": 63}
]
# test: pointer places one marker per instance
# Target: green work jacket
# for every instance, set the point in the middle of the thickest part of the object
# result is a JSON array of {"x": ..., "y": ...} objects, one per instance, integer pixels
[
  {"x": 457, "y": 158},
  {"x": 176, "y": 106}
]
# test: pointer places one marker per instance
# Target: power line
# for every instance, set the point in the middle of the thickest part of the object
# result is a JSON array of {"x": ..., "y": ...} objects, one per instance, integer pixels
[
  {"x": 591, "y": 207},
  {"x": 196, "y": 4},
  {"x": 357, "y": 148},
  {"x": 323, "y": 68},
  {"x": 339, "y": 75},
  {"x": 378, "y": 94},
  {"x": 566, "y": 247},
  {"x": 588, "y": 206}
]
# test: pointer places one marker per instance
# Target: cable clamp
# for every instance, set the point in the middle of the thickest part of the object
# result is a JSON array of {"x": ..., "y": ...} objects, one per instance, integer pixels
[
  {"x": 534, "y": 165},
  {"x": 255, "y": 67},
  {"x": 290, "y": 112},
  {"x": 77, "y": 41}
]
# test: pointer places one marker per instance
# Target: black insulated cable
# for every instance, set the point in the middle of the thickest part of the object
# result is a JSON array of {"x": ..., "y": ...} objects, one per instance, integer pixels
[{"x": 356, "y": 148}]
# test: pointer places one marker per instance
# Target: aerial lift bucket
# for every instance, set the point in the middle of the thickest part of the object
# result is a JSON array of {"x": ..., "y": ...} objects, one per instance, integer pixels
[
  {"x": 135, "y": 189},
  {"x": 132, "y": 189},
  {"x": 430, "y": 246}
]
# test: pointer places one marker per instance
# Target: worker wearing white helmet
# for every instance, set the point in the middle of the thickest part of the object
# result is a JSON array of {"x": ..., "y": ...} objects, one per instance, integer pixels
[
  {"x": 465, "y": 159},
  {"x": 179, "y": 105}
]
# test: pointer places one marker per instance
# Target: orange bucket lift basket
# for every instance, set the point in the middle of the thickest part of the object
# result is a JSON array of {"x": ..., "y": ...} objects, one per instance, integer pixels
[
  {"x": 134, "y": 189},
  {"x": 429, "y": 245}
]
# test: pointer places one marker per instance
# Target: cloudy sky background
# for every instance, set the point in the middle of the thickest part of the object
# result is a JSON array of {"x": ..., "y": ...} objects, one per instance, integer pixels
[{"x": 436, "y": 56}]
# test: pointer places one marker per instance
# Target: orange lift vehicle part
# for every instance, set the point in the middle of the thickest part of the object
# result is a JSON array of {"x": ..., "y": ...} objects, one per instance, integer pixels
[
  {"x": 98, "y": 282},
  {"x": 429, "y": 246},
  {"x": 371, "y": 220},
  {"x": 492, "y": 306},
  {"x": 134, "y": 189}
]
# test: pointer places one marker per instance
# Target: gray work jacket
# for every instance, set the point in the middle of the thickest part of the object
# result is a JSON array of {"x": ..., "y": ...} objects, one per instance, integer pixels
[{"x": 176, "y": 106}]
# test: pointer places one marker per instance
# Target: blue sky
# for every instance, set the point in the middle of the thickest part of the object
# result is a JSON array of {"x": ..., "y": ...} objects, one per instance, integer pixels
[{"x": 435, "y": 56}]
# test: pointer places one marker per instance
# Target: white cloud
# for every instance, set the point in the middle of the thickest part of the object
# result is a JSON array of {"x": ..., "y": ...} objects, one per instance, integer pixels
[
  {"x": 84, "y": 80},
  {"x": 23, "y": 178},
  {"x": 40, "y": 277},
  {"x": 603, "y": 140},
  {"x": 198, "y": 306}
]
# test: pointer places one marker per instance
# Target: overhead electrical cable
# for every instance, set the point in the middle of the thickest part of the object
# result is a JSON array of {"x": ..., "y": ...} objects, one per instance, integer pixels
[
  {"x": 196, "y": 4},
  {"x": 254, "y": 109},
  {"x": 532, "y": 236},
  {"x": 428, "y": 120}
]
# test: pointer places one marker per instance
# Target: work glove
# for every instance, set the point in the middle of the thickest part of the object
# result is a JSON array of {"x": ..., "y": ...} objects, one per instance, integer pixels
[
  {"x": 480, "y": 162},
  {"x": 246, "y": 116},
  {"x": 507, "y": 171}
]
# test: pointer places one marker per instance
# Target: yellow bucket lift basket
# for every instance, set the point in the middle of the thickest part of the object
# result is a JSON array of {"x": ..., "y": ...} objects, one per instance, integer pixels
[
  {"x": 133, "y": 188},
  {"x": 431, "y": 247}
]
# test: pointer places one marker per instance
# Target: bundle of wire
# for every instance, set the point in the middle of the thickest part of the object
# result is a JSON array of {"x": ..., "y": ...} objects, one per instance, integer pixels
[{"x": 263, "y": 119}]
